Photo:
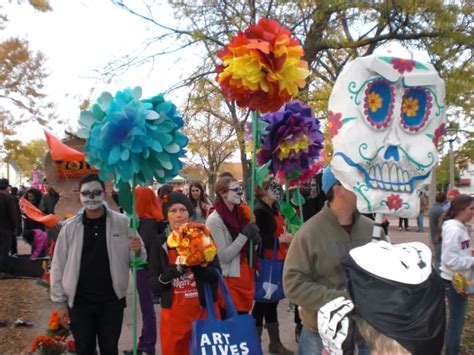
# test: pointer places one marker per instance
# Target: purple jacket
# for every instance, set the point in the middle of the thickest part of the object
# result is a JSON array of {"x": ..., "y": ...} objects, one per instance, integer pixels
[{"x": 40, "y": 243}]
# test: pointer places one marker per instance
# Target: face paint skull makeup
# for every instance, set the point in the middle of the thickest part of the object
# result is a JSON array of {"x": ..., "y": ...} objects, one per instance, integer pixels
[
  {"x": 234, "y": 194},
  {"x": 385, "y": 117},
  {"x": 275, "y": 191},
  {"x": 91, "y": 195}
]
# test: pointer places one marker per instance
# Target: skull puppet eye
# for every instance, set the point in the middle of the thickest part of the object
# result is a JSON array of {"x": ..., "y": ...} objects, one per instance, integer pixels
[
  {"x": 378, "y": 103},
  {"x": 416, "y": 108}
]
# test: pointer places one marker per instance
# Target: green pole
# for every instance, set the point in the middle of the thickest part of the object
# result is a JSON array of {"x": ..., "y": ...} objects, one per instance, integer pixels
[
  {"x": 300, "y": 203},
  {"x": 252, "y": 180},
  {"x": 134, "y": 274}
]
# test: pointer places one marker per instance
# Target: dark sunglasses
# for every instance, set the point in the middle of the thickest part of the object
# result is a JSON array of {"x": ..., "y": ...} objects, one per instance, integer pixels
[
  {"x": 92, "y": 193},
  {"x": 237, "y": 189}
]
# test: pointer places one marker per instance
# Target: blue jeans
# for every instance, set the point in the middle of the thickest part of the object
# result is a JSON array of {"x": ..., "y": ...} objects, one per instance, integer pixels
[
  {"x": 457, "y": 305},
  {"x": 419, "y": 222},
  {"x": 311, "y": 344}
]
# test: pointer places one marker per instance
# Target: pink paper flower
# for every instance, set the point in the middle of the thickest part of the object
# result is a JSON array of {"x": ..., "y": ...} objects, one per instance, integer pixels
[
  {"x": 394, "y": 202},
  {"x": 439, "y": 132},
  {"x": 402, "y": 65},
  {"x": 334, "y": 123}
]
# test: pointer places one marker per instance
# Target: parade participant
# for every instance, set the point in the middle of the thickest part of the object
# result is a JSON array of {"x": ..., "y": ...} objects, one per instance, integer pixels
[
  {"x": 38, "y": 241},
  {"x": 199, "y": 200},
  {"x": 33, "y": 196},
  {"x": 452, "y": 194},
  {"x": 150, "y": 214},
  {"x": 8, "y": 224},
  {"x": 421, "y": 215},
  {"x": 456, "y": 256},
  {"x": 231, "y": 230},
  {"x": 181, "y": 288},
  {"x": 397, "y": 301},
  {"x": 434, "y": 215},
  {"x": 272, "y": 230},
  {"x": 19, "y": 228},
  {"x": 49, "y": 200},
  {"x": 90, "y": 270},
  {"x": 313, "y": 274}
]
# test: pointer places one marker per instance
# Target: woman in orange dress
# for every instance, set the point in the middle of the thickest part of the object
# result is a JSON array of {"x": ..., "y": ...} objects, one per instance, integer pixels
[
  {"x": 231, "y": 231},
  {"x": 181, "y": 289}
]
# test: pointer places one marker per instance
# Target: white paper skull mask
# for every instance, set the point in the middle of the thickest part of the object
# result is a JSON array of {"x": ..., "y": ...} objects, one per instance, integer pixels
[{"x": 385, "y": 117}]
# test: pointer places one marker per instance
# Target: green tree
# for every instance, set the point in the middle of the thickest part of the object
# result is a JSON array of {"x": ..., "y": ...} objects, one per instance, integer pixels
[
  {"x": 26, "y": 156},
  {"x": 332, "y": 33},
  {"x": 21, "y": 80}
]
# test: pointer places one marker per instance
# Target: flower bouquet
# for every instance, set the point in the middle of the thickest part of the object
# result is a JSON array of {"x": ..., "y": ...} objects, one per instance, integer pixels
[
  {"x": 55, "y": 341},
  {"x": 194, "y": 244}
]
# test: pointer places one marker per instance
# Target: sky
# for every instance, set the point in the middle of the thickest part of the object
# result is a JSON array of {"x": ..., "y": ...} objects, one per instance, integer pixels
[{"x": 79, "y": 38}]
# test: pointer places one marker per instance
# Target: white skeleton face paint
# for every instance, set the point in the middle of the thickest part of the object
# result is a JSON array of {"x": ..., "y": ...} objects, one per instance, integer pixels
[
  {"x": 275, "y": 191},
  {"x": 385, "y": 117},
  {"x": 234, "y": 195},
  {"x": 91, "y": 195}
]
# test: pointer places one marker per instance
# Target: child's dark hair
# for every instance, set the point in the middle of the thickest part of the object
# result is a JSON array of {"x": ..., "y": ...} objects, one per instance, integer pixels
[
  {"x": 29, "y": 236},
  {"x": 90, "y": 178}
]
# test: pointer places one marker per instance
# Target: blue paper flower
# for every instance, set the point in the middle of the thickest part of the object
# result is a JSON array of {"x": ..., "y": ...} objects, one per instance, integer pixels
[{"x": 130, "y": 139}]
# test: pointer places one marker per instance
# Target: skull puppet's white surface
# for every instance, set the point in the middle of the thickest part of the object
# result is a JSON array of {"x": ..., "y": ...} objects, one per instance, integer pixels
[{"x": 385, "y": 117}]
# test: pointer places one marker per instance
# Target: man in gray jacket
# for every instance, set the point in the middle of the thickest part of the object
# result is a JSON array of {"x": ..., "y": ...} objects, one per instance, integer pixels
[
  {"x": 90, "y": 270},
  {"x": 313, "y": 274}
]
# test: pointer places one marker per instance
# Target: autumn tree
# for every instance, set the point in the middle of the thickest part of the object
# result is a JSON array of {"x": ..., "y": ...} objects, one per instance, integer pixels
[
  {"x": 212, "y": 138},
  {"x": 26, "y": 156},
  {"x": 21, "y": 80},
  {"x": 332, "y": 33}
]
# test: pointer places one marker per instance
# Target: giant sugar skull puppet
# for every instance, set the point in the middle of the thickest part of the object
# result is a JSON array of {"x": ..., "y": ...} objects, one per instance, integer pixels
[{"x": 385, "y": 117}]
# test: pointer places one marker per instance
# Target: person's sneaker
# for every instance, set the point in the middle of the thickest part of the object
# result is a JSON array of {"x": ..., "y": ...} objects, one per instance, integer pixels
[
  {"x": 407, "y": 229},
  {"x": 400, "y": 229},
  {"x": 130, "y": 352}
]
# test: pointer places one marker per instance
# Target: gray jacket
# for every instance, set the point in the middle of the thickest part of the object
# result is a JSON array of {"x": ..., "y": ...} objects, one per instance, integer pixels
[
  {"x": 228, "y": 250},
  {"x": 67, "y": 257}
]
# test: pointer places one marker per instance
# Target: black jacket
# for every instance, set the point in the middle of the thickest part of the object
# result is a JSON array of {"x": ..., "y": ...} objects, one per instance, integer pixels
[
  {"x": 265, "y": 219},
  {"x": 158, "y": 263}
]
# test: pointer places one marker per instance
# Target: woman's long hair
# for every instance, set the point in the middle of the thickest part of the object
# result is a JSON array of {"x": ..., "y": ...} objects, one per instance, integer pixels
[
  {"x": 222, "y": 186},
  {"x": 459, "y": 204},
  {"x": 147, "y": 204}
]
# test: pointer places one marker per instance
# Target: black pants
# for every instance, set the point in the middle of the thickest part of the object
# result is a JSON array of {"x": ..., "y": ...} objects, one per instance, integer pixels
[
  {"x": 265, "y": 310},
  {"x": 404, "y": 220},
  {"x": 102, "y": 321},
  {"x": 5, "y": 245},
  {"x": 14, "y": 247}
]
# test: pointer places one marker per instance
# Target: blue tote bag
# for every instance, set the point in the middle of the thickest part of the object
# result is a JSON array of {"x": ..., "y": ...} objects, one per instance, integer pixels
[
  {"x": 235, "y": 335},
  {"x": 269, "y": 278}
]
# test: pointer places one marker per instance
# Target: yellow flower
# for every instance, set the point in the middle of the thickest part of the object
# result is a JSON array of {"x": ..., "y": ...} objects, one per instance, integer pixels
[
  {"x": 374, "y": 101},
  {"x": 288, "y": 147},
  {"x": 410, "y": 106}
]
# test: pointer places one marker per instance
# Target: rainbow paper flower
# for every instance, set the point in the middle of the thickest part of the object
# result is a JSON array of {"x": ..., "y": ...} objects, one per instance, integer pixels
[
  {"x": 128, "y": 138},
  {"x": 194, "y": 244},
  {"x": 293, "y": 141},
  {"x": 262, "y": 67}
]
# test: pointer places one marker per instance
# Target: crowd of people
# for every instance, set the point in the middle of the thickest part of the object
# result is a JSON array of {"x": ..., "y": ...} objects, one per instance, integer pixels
[{"x": 90, "y": 266}]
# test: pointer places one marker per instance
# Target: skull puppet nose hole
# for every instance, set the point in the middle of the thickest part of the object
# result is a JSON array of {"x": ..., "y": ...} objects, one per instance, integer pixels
[{"x": 392, "y": 152}]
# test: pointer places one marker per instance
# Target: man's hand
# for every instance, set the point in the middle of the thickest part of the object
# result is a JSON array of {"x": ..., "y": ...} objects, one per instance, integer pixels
[
  {"x": 333, "y": 324},
  {"x": 63, "y": 315},
  {"x": 135, "y": 244}
]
